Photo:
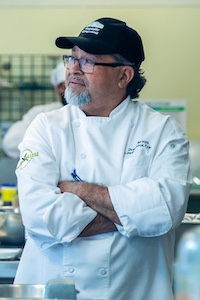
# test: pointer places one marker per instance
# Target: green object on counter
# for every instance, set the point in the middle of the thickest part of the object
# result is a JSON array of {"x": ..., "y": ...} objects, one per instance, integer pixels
[{"x": 60, "y": 289}]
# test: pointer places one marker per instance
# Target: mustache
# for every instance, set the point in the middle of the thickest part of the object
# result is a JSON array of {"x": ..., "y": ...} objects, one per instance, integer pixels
[{"x": 77, "y": 79}]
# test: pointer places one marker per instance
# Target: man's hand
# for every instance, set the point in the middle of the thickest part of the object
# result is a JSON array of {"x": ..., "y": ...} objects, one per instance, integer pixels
[
  {"x": 95, "y": 196},
  {"x": 99, "y": 224}
]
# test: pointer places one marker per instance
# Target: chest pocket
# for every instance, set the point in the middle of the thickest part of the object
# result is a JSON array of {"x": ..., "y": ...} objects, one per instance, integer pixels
[{"x": 135, "y": 167}]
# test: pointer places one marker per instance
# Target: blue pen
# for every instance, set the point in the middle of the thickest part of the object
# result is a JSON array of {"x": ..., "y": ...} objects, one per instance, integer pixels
[{"x": 75, "y": 176}]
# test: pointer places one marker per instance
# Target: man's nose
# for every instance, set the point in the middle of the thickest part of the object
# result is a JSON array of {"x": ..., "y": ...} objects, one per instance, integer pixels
[{"x": 75, "y": 68}]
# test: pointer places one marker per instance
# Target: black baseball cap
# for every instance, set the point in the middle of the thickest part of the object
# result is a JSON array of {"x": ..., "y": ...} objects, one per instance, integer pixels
[{"x": 107, "y": 36}]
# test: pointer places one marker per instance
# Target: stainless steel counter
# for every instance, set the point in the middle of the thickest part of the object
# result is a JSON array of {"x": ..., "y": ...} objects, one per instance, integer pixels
[{"x": 8, "y": 270}]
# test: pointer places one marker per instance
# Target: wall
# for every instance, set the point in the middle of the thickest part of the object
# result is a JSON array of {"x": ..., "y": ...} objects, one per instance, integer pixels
[{"x": 170, "y": 35}]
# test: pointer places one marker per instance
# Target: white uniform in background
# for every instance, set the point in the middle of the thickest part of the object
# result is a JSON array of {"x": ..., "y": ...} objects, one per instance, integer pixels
[
  {"x": 17, "y": 130},
  {"x": 142, "y": 156}
]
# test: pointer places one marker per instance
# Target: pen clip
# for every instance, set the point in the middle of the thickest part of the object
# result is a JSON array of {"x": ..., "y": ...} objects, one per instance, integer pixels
[{"x": 76, "y": 177}]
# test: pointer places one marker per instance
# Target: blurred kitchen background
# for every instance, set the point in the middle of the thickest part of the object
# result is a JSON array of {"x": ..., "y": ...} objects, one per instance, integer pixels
[
  {"x": 170, "y": 30},
  {"x": 24, "y": 82}
]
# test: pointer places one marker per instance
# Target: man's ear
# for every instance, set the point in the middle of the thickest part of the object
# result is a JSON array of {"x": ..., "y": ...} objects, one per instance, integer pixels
[{"x": 127, "y": 75}]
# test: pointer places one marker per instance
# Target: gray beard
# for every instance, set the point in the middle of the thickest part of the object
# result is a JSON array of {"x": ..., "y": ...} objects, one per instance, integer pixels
[{"x": 77, "y": 100}]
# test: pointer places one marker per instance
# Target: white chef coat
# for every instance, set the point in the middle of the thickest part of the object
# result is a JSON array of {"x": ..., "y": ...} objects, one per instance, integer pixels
[
  {"x": 142, "y": 156},
  {"x": 15, "y": 133}
]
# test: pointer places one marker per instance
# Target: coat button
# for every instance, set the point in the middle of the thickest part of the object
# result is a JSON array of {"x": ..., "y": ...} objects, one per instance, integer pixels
[
  {"x": 103, "y": 272},
  {"x": 77, "y": 123},
  {"x": 83, "y": 155},
  {"x": 71, "y": 270},
  {"x": 172, "y": 145}
]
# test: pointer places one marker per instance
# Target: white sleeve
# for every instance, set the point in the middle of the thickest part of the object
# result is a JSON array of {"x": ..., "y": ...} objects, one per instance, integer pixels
[
  {"x": 151, "y": 206},
  {"x": 49, "y": 216},
  {"x": 67, "y": 217},
  {"x": 16, "y": 132}
]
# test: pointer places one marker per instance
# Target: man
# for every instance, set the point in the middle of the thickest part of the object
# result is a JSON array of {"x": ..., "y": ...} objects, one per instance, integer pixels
[
  {"x": 17, "y": 130},
  {"x": 104, "y": 181}
]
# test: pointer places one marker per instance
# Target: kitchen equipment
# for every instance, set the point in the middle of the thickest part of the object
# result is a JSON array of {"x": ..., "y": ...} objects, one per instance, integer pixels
[
  {"x": 40, "y": 292},
  {"x": 10, "y": 253},
  {"x": 7, "y": 168},
  {"x": 187, "y": 266},
  {"x": 189, "y": 222},
  {"x": 8, "y": 193},
  {"x": 60, "y": 288},
  {"x": 23, "y": 291},
  {"x": 11, "y": 227}
]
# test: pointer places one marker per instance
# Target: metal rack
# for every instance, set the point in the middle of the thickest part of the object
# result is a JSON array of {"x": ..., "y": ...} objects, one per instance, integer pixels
[{"x": 24, "y": 83}]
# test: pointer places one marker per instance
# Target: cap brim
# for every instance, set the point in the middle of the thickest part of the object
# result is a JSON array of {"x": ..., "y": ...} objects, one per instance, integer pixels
[
  {"x": 65, "y": 43},
  {"x": 83, "y": 43}
]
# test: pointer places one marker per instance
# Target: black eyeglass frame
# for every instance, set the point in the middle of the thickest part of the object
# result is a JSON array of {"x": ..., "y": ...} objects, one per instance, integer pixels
[{"x": 92, "y": 63}]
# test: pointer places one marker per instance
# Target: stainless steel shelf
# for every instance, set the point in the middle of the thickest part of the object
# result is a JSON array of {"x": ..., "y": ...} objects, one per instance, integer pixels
[{"x": 8, "y": 268}]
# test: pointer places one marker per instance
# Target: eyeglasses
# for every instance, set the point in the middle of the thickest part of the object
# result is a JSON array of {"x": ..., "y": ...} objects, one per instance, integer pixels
[{"x": 87, "y": 65}]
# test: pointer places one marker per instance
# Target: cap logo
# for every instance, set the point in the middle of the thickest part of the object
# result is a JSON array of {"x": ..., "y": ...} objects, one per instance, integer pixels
[{"x": 93, "y": 28}]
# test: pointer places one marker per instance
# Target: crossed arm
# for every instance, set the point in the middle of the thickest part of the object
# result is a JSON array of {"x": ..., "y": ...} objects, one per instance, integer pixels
[{"x": 97, "y": 197}]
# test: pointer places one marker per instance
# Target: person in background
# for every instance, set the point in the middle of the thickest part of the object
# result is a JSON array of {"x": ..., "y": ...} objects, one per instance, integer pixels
[
  {"x": 15, "y": 133},
  {"x": 104, "y": 181}
]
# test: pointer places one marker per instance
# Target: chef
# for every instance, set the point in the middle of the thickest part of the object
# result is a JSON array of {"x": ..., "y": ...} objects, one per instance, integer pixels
[{"x": 104, "y": 181}]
